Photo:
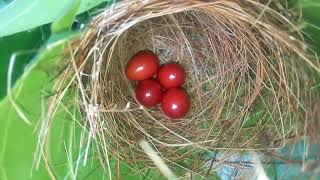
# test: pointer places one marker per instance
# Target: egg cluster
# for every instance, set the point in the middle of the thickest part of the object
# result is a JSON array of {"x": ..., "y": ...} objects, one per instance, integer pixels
[{"x": 159, "y": 84}]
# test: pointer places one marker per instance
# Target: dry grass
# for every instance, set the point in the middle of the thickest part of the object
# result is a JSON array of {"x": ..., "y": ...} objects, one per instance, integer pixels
[{"x": 247, "y": 76}]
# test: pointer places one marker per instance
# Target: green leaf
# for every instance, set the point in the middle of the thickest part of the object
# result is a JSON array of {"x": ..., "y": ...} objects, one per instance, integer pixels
[
  {"x": 27, "y": 14},
  {"x": 27, "y": 93},
  {"x": 311, "y": 15},
  {"x": 64, "y": 23},
  {"x": 25, "y": 45},
  {"x": 17, "y": 140}
]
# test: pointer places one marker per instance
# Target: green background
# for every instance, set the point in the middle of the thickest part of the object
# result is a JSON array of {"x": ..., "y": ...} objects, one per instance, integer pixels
[{"x": 24, "y": 30}]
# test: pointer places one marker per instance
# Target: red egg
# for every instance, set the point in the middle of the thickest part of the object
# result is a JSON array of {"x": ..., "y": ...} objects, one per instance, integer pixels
[
  {"x": 143, "y": 65},
  {"x": 175, "y": 103},
  {"x": 171, "y": 75},
  {"x": 148, "y": 93}
]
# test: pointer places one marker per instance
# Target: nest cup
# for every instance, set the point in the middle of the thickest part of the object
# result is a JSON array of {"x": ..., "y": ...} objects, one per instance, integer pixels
[{"x": 245, "y": 77}]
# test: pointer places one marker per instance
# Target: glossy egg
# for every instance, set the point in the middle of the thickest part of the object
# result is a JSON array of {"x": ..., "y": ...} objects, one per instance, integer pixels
[
  {"x": 171, "y": 75},
  {"x": 148, "y": 93},
  {"x": 143, "y": 65},
  {"x": 175, "y": 103}
]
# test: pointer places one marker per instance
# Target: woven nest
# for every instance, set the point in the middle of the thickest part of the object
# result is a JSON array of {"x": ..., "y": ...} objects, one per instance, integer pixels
[{"x": 248, "y": 78}]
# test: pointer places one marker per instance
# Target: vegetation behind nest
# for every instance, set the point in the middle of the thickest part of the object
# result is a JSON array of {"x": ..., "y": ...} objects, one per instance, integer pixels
[{"x": 249, "y": 79}]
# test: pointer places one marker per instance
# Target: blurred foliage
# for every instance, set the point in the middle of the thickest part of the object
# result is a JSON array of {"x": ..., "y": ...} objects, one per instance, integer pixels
[
  {"x": 22, "y": 15},
  {"x": 17, "y": 139},
  {"x": 311, "y": 23},
  {"x": 25, "y": 45}
]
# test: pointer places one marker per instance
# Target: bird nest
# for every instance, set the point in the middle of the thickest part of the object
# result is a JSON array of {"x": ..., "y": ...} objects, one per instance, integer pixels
[{"x": 247, "y": 76}]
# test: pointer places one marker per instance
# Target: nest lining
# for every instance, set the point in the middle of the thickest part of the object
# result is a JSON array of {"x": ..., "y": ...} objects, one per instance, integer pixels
[{"x": 245, "y": 76}]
